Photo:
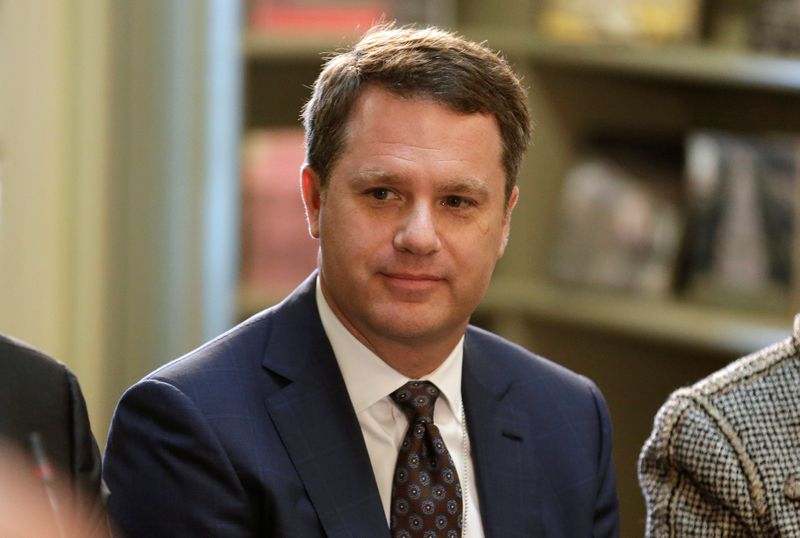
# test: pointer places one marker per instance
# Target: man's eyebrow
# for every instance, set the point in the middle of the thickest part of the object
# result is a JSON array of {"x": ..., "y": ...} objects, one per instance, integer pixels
[
  {"x": 369, "y": 177},
  {"x": 465, "y": 185}
]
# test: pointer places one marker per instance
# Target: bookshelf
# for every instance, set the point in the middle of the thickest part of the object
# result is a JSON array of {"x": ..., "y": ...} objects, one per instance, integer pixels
[
  {"x": 662, "y": 320},
  {"x": 690, "y": 63},
  {"x": 637, "y": 349},
  {"x": 693, "y": 64},
  {"x": 685, "y": 78}
]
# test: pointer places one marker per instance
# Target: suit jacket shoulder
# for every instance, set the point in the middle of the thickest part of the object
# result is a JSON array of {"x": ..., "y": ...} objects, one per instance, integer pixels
[
  {"x": 723, "y": 456},
  {"x": 257, "y": 427},
  {"x": 537, "y": 382},
  {"x": 550, "y": 427},
  {"x": 516, "y": 362},
  {"x": 258, "y": 357}
]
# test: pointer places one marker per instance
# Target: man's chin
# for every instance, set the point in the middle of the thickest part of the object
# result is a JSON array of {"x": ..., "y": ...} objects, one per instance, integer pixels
[{"x": 413, "y": 326}]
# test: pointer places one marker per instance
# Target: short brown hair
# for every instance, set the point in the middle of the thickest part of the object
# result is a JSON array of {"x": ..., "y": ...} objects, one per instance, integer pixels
[{"x": 465, "y": 76}]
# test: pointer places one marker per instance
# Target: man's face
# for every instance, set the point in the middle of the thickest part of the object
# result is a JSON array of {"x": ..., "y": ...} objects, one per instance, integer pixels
[{"x": 412, "y": 220}]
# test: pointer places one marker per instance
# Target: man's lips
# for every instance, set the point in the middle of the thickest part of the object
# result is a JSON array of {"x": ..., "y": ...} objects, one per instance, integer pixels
[
  {"x": 412, "y": 281},
  {"x": 412, "y": 276}
]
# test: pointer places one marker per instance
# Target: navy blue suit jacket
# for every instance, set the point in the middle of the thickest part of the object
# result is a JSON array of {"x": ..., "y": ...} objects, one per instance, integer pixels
[{"x": 254, "y": 434}]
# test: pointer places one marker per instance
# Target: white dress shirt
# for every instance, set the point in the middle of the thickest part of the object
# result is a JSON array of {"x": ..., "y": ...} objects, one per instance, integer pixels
[{"x": 370, "y": 381}]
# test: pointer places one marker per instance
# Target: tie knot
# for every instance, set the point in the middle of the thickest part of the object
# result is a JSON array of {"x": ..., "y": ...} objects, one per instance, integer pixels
[{"x": 417, "y": 399}]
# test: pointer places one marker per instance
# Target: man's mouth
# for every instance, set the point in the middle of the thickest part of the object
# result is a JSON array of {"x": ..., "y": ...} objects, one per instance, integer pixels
[{"x": 411, "y": 281}]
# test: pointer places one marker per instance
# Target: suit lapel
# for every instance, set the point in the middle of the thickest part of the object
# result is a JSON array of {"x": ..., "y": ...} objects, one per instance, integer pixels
[
  {"x": 316, "y": 422},
  {"x": 502, "y": 447}
]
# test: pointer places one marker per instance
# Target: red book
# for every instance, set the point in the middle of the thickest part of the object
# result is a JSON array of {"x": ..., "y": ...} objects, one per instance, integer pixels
[
  {"x": 277, "y": 250},
  {"x": 326, "y": 17}
]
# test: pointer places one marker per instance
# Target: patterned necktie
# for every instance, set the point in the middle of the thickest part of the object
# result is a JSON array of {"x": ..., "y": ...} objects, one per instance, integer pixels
[{"x": 426, "y": 493}]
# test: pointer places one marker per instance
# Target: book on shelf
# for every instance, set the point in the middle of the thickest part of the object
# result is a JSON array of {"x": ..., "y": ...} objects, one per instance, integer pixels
[
  {"x": 313, "y": 16},
  {"x": 620, "y": 224},
  {"x": 775, "y": 26},
  {"x": 634, "y": 21},
  {"x": 348, "y": 17},
  {"x": 277, "y": 250},
  {"x": 741, "y": 192}
]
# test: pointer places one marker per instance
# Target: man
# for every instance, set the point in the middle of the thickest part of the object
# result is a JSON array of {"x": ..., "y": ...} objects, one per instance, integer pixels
[
  {"x": 363, "y": 405},
  {"x": 723, "y": 456},
  {"x": 43, "y": 416}
]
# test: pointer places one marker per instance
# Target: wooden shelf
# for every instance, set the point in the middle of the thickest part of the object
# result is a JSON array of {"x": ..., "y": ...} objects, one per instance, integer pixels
[
  {"x": 665, "y": 320},
  {"x": 686, "y": 63}
]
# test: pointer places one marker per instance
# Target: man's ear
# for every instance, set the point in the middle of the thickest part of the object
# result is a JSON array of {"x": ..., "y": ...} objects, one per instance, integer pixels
[
  {"x": 512, "y": 202},
  {"x": 309, "y": 184}
]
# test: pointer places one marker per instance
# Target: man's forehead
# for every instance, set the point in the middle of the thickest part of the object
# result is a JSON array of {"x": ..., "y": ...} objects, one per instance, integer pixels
[
  {"x": 357, "y": 116},
  {"x": 377, "y": 98},
  {"x": 422, "y": 96}
]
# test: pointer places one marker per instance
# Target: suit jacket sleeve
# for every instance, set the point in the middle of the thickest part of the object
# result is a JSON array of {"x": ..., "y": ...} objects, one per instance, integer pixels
[
  {"x": 161, "y": 442},
  {"x": 691, "y": 474},
  {"x": 85, "y": 464},
  {"x": 606, "y": 519}
]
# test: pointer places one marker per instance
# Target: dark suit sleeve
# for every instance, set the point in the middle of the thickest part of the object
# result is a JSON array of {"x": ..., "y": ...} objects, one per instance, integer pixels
[
  {"x": 606, "y": 515},
  {"x": 85, "y": 466},
  {"x": 167, "y": 472}
]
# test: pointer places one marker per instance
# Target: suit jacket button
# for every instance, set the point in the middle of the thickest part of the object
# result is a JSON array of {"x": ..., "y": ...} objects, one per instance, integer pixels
[{"x": 791, "y": 488}]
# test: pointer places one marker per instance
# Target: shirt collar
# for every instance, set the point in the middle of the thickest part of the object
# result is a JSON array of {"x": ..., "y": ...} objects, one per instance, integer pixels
[{"x": 369, "y": 379}]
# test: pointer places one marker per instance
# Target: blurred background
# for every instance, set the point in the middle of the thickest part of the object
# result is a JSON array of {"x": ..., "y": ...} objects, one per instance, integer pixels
[{"x": 149, "y": 199}]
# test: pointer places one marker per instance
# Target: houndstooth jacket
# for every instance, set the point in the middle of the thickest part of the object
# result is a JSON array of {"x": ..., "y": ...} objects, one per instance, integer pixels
[{"x": 724, "y": 455}]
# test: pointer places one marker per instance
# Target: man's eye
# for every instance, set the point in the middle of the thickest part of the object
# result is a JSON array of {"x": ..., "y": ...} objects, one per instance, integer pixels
[
  {"x": 380, "y": 194},
  {"x": 455, "y": 202}
]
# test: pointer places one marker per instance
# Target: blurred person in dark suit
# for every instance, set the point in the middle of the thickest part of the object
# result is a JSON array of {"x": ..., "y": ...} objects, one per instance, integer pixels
[
  {"x": 30, "y": 508},
  {"x": 43, "y": 420}
]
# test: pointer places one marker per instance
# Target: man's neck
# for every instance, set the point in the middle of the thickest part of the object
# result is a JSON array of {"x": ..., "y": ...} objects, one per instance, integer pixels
[{"x": 413, "y": 361}]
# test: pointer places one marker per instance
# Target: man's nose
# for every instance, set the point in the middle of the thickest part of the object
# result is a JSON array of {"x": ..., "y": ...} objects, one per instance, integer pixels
[{"x": 417, "y": 233}]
